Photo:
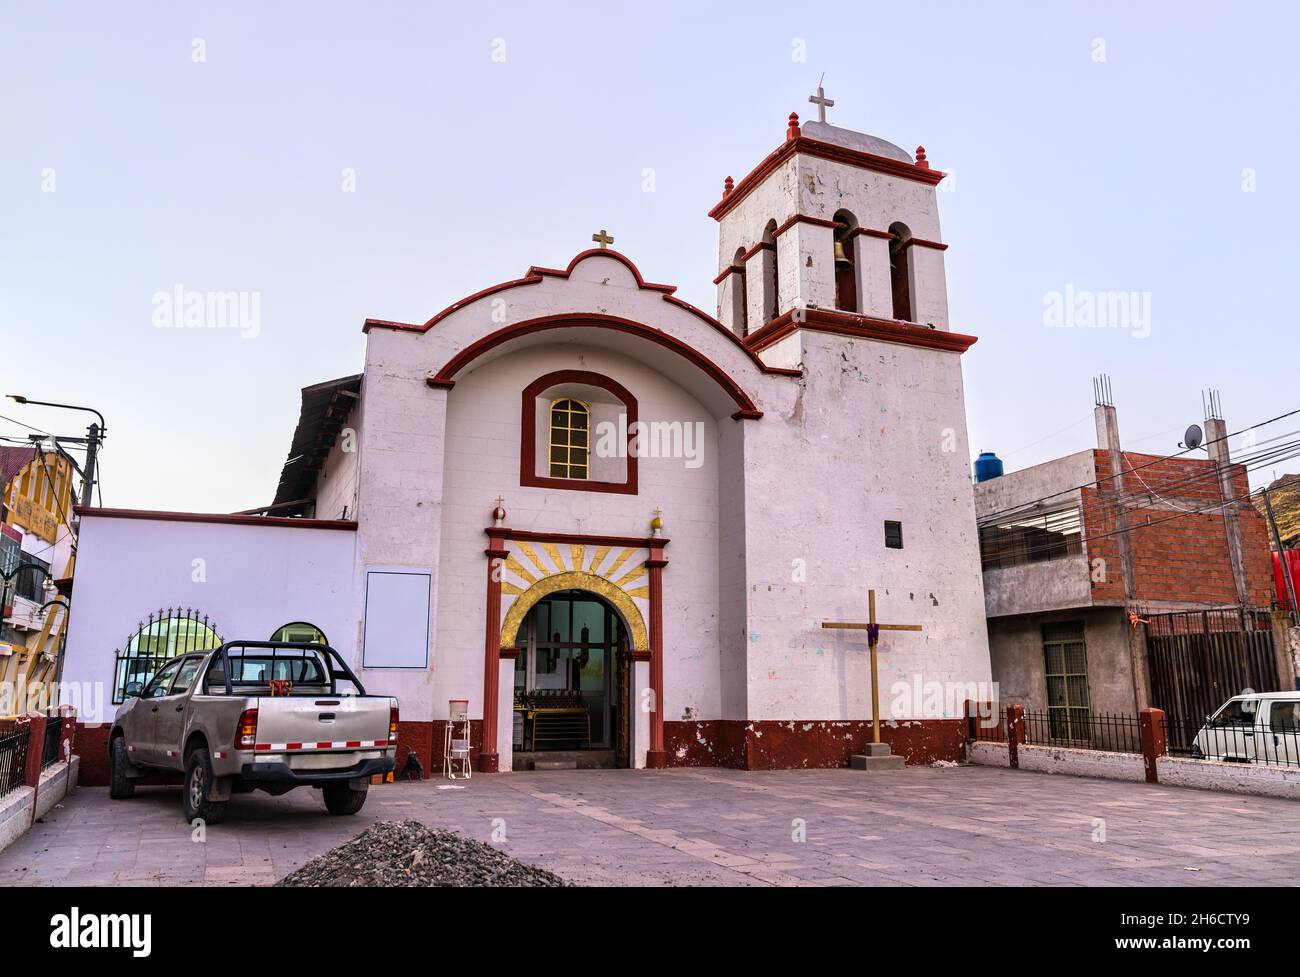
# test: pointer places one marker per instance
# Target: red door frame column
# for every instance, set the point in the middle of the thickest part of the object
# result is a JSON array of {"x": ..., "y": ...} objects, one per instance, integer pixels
[
  {"x": 656, "y": 757},
  {"x": 488, "y": 760},
  {"x": 497, "y": 552}
]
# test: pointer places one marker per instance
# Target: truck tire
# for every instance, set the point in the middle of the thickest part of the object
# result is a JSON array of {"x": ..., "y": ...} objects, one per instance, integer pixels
[
  {"x": 198, "y": 790},
  {"x": 120, "y": 787},
  {"x": 342, "y": 799}
]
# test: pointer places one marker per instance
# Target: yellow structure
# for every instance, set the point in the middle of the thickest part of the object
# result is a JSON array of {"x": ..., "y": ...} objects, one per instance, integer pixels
[
  {"x": 37, "y": 501},
  {"x": 39, "y": 497}
]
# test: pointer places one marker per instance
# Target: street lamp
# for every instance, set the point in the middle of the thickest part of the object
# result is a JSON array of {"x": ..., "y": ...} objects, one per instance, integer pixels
[
  {"x": 94, "y": 438},
  {"x": 9, "y": 579}
]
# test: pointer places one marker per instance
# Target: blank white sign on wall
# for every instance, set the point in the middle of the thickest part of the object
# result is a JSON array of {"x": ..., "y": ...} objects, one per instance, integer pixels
[{"x": 397, "y": 619}]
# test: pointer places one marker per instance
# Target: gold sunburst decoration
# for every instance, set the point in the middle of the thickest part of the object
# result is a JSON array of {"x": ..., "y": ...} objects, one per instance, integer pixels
[{"x": 534, "y": 571}]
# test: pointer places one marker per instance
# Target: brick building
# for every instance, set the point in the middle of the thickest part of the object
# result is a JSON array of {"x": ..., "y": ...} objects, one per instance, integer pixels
[{"x": 1085, "y": 554}]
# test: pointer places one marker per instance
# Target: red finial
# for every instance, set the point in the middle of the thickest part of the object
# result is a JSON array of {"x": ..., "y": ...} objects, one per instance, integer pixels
[
  {"x": 921, "y": 161},
  {"x": 792, "y": 131},
  {"x": 727, "y": 186}
]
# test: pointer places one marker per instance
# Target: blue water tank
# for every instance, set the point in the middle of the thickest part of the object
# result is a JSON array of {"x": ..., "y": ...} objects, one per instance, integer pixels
[{"x": 987, "y": 465}]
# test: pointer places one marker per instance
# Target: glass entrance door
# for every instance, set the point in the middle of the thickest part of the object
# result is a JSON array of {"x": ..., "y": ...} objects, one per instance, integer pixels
[{"x": 567, "y": 667}]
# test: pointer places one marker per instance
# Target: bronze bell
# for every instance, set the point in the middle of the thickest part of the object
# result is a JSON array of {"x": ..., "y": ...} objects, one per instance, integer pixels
[{"x": 840, "y": 257}]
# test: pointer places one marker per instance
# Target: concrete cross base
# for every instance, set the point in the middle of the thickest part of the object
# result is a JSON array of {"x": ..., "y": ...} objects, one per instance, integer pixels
[{"x": 876, "y": 757}]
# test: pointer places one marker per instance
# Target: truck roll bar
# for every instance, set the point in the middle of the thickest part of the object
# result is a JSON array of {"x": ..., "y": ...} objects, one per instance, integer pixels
[{"x": 331, "y": 655}]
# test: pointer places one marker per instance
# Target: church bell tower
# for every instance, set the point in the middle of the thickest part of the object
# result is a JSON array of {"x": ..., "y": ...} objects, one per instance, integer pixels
[{"x": 834, "y": 220}]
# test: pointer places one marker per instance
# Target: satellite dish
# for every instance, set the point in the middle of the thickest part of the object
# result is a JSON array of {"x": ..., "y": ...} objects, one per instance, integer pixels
[{"x": 1193, "y": 437}]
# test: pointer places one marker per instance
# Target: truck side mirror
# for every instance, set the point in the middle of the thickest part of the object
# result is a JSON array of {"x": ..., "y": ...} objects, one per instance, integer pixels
[{"x": 133, "y": 690}]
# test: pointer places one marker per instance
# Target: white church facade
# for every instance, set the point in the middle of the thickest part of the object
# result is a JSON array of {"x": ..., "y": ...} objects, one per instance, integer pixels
[{"x": 613, "y": 523}]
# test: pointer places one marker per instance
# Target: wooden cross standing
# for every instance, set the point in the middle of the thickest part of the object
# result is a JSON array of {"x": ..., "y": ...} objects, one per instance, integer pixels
[{"x": 873, "y": 629}]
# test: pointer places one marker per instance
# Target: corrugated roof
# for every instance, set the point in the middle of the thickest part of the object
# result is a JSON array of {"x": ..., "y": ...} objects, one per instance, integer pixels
[
  {"x": 13, "y": 460},
  {"x": 325, "y": 409},
  {"x": 1284, "y": 494}
]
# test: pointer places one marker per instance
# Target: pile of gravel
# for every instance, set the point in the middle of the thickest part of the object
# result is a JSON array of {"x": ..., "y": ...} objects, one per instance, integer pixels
[{"x": 407, "y": 853}]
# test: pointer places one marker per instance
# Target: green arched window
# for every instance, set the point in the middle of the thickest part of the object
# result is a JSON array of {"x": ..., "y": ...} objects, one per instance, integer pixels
[
  {"x": 300, "y": 631},
  {"x": 162, "y": 637}
]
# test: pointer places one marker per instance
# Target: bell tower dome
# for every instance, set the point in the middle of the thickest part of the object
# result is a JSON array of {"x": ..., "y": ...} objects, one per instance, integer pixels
[{"x": 835, "y": 220}]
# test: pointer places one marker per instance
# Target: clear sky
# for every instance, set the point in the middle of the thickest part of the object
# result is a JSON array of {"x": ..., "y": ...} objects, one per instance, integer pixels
[{"x": 1097, "y": 147}]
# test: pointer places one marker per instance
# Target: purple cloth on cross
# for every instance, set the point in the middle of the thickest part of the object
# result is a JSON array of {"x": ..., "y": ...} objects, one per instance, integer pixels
[{"x": 873, "y": 633}]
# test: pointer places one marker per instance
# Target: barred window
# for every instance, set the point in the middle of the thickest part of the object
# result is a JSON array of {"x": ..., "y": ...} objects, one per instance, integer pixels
[
  {"x": 1032, "y": 538},
  {"x": 570, "y": 426},
  {"x": 159, "y": 639},
  {"x": 1066, "y": 658}
]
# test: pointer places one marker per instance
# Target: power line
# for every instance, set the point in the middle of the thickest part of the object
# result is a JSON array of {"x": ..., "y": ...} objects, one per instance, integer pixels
[
  {"x": 1247, "y": 462},
  {"x": 1272, "y": 456},
  {"x": 1222, "y": 504},
  {"x": 1029, "y": 506},
  {"x": 1025, "y": 447},
  {"x": 53, "y": 490},
  {"x": 21, "y": 424}
]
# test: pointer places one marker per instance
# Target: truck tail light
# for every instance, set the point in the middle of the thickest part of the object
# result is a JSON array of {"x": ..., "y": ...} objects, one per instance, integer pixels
[
  {"x": 246, "y": 730},
  {"x": 392, "y": 725}
]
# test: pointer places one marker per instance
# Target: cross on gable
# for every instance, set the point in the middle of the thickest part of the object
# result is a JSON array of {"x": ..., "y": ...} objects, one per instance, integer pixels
[{"x": 603, "y": 238}]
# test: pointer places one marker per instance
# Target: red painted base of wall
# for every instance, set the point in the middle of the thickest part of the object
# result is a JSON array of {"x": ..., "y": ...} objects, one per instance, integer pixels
[
  {"x": 787, "y": 745},
  {"x": 92, "y": 747},
  {"x": 739, "y": 744},
  {"x": 424, "y": 738}
]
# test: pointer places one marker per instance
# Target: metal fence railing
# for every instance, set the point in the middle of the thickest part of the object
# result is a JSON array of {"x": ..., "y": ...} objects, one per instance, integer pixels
[
  {"x": 53, "y": 738},
  {"x": 1241, "y": 738},
  {"x": 987, "y": 728},
  {"x": 1180, "y": 734},
  {"x": 1083, "y": 730},
  {"x": 13, "y": 758},
  {"x": 1272, "y": 744}
]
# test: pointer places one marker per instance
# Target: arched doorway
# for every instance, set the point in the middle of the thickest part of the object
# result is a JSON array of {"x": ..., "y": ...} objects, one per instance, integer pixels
[{"x": 572, "y": 688}]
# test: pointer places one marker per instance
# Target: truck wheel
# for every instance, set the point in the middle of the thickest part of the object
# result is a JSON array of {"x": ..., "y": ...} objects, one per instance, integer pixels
[
  {"x": 198, "y": 790},
  {"x": 120, "y": 787},
  {"x": 342, "y": 799}
]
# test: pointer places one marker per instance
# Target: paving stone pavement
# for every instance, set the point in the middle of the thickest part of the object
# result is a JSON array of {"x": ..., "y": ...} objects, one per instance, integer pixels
[{"x": 919, "y": 826}]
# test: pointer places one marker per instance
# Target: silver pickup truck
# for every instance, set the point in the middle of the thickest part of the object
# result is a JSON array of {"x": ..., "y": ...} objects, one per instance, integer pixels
[{"x": 254, "y": 715}]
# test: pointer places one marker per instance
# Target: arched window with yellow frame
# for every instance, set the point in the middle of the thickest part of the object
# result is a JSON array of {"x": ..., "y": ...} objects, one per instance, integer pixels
[{"x": 570, "y": 447}]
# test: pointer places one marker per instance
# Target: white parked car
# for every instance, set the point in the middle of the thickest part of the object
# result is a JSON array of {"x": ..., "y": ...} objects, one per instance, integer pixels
[{"x": 1257, "y": 727}]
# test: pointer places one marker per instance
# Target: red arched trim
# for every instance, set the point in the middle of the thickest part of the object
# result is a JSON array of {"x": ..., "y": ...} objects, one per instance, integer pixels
[
  {"x": 802, "y": 219},
  {"x": 727, "y": 272},
  {"x": 536, "y": 274},
  {"x": 859, "y": 326},
  {"x": 528, "y": 434},
  {"x": 822, "y": 150},
  {"x": 916, "y": 242},
  {"x": 446, "y": 377},
  {"x": 872, "y": 232}
]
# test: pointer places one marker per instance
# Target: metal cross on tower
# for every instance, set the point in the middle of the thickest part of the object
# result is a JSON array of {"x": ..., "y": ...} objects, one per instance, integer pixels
[{"x": 821, "y": 101}]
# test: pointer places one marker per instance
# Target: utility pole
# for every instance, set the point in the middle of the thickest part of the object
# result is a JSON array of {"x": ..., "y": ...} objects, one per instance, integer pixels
[{"x": 93, "y": 434}]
